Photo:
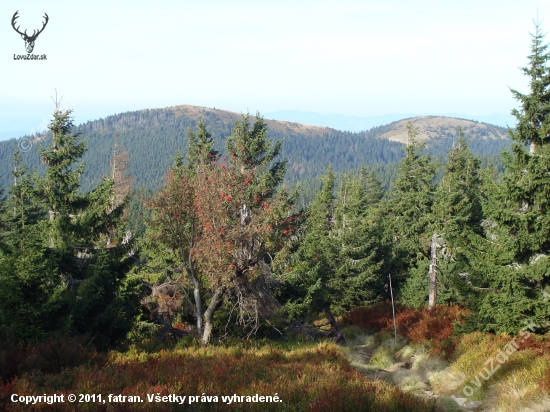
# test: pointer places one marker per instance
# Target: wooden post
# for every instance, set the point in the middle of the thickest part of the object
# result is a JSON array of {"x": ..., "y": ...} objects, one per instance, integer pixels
[{"x": 433, "y": 274}]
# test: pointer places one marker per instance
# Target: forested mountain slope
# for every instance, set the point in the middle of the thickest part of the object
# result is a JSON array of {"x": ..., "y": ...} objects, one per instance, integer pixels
[{"x": 153, "y": 137}]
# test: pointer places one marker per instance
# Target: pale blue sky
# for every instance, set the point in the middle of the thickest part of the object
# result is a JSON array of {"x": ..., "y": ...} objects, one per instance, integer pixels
[{"x": 361, "y": 58}]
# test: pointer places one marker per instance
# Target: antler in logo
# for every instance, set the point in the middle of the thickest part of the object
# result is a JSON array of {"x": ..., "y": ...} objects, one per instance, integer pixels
[{"x": 29, "y": 40}]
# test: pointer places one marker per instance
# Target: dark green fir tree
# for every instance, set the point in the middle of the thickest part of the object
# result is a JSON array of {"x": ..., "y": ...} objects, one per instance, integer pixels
[
  {"x": 200, "y": 149},
  {"x": 518, "y": 289},
  {"x": 249, "y": 148},
  {"x": 311, "y": 285},
  {"x": 96, "y": 297},
  {"x": 456, "y": 228},
  {"x": 409, "y": 216},
  {"x": 28, "y": 279},
  {"x": 357, "y": 280},
  {"x": 336, "y": 266}
]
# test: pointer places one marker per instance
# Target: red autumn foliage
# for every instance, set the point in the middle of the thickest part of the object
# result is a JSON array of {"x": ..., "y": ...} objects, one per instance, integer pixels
[
  {"x": 416, "y": 325},
  {"x": 181, "y": 326},
  {"x": 219, "y": 230},
  {"x": 371, "y": 319},
  {"x": 537, "y": 343}
]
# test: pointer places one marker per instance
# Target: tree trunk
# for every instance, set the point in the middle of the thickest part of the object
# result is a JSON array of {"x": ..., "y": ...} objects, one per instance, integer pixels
[
  {"x": 209, "y": 315},
  {"x": 190, "y": 269},
  {"x": 340, "y": 340},
  {"x": 198, "y": 304},
  {"x": 52, "y": 217},
  {"x": 433, "y": 274}
]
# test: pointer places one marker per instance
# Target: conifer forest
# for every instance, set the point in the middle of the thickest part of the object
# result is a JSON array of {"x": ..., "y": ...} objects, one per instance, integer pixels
[{"x": 328, "y": 272}]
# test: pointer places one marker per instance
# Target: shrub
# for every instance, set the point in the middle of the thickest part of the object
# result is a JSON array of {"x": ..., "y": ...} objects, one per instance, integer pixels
[
  {"x": 50, "y": 356},
  {"x": 417, "y": 326},
  {"x": 372, "y": 319},
  {"x": 306, "y": 379}
]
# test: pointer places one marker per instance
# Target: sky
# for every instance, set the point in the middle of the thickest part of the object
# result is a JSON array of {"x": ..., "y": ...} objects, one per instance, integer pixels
[{"x": 354, "y": 58}]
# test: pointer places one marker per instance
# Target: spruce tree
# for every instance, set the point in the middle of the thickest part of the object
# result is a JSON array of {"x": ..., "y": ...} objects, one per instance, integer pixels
[
  {"x": 59, "y": 188},
  {"x": 336, "y": 265},
  {"x": 526, "y": 195},
  {"x": 200, "y": 149},
  {"x": 374, "y": 192},
  {"x": 28, "y": 279},
  {"x": 75, "y": 233},
  {"x": 408, "y": 217},
  {"x": 357, "y": 280},
  {"x": 517, "y": 285},
  {"x": 312, "y": 274},
  {"x": 533, "y": 121},
  {"x": 457, "y": 221},
  {"x": 250, "y": 149}
]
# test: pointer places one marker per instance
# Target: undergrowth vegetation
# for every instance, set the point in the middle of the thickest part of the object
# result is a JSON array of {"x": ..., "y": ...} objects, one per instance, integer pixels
[
  {"x": 51, "y": 356},
  {"x": 431, "y": 359},
  {"x": 417, "y": 326},
  {"x": 311, "y": 377}
]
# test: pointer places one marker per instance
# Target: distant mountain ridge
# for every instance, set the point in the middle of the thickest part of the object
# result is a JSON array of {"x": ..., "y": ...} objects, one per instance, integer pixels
[
  {"x": 153, "y": 137},
  {"x": 228, "y": 118},
  {"x": 438, "y": 127},
  {"x": 363, "y": 123}
]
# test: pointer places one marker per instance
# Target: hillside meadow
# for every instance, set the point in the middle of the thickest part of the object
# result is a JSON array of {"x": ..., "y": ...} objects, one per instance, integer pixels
[
  {"x": 305, "y": 377},
  {"x": 429, "y": 367}
]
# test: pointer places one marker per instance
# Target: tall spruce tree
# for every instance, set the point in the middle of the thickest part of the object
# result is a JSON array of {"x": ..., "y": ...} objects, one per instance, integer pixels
[
  {"x": 458, "y": 214},
  {"x": 200, "y": 150},
  {"x": 526, "y": 195},
  {"x": 519, "y": 287},
  {"x": 76, "y": 220},
  {"x": 408, "y": 217},
  {"x": 59, "y": 188},
  {"x": 310, "y": 283},
  {"x": 336, "y": 265},
  {"x": 356, "y": 232},
  {"x": 27, "y": 280},
  {"x": 374, "y": 191},
  {"x": 96, "y": 298},
  {"x": 250, "y": 149}
]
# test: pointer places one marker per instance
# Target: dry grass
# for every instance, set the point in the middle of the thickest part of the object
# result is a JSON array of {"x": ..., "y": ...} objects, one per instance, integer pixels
[
  {"x": 446, "y": 381},
  {"x": 413, "y": 384},
  {"x": 520, "y": 388},
  {"x": 382, "y": 359},
  {"x": 437, "y": 360},
  {"x": 313, "y": 378}
]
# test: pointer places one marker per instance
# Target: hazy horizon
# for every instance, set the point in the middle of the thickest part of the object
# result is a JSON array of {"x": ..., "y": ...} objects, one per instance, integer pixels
[
  {"x": 347, "y": 58},
  {"x": 332, "y": 120}
]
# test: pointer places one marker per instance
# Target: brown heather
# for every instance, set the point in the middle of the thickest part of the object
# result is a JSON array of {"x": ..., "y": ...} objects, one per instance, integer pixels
[
  {"x": 417, "y": 326},
  {"x": 315, "y": 378}
]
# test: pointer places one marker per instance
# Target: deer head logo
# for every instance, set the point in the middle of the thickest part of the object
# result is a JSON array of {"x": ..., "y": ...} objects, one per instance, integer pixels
[{"x": 29, "y": 40}]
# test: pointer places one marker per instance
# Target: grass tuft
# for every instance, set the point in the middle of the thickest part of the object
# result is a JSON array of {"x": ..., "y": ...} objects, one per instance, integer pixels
[{"x": 382, "y": 359}]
